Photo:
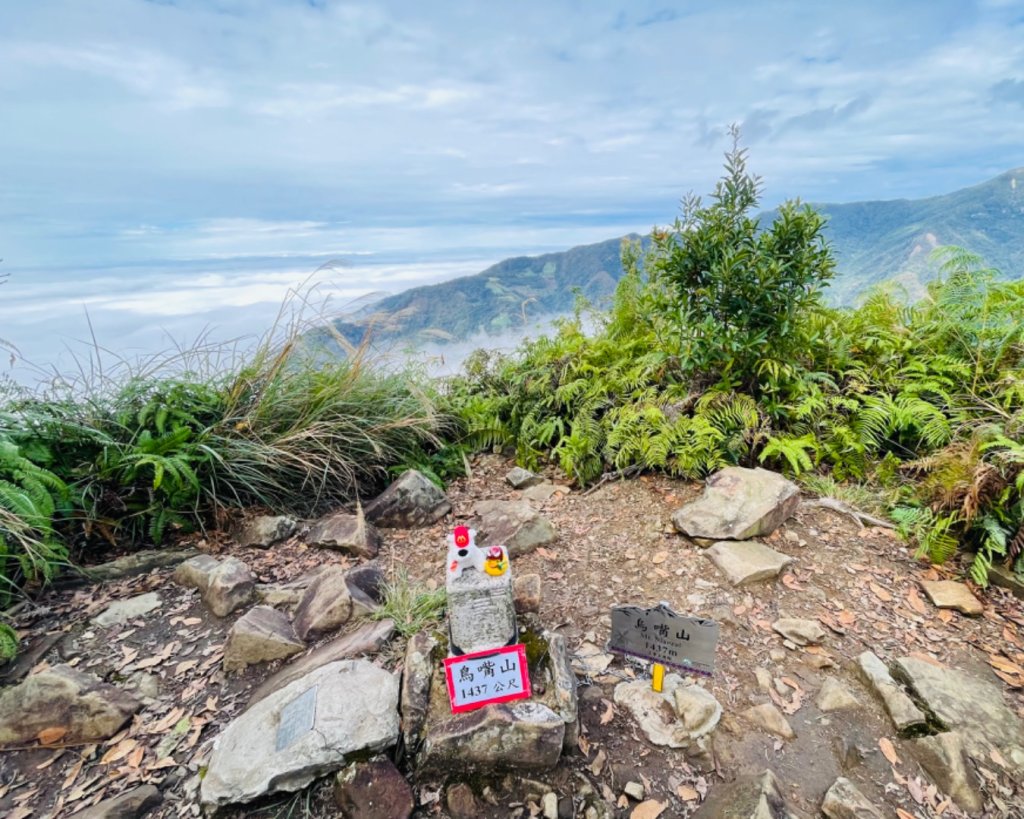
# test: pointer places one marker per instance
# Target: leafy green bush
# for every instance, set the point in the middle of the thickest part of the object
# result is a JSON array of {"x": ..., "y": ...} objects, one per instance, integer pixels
[{"x": 922, "y": 403}]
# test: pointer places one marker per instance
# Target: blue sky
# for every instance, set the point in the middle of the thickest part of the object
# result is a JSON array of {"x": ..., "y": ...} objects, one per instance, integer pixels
[{"x": 146, "y": 136}]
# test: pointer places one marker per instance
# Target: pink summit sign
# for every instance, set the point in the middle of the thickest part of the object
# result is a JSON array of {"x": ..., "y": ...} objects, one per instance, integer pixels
[{"x": 487, "y": 677}]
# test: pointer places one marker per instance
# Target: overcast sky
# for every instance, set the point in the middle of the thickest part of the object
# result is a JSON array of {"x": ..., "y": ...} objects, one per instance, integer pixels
[{"x": 154, "y": 133}]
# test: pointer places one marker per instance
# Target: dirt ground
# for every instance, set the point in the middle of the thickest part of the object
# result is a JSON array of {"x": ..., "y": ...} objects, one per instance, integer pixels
[{"x": 615, "y": 546}]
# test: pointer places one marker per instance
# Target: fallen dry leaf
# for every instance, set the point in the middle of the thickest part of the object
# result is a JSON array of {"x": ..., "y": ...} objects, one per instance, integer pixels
[
  {"x": 846, "y": 617},
  {"x": 651, "y": 809},
  {"x": 945, "y": 615},
  {"x": 660, "y": 557},
  {"x": 880, "y": 593},
  {"x": 902, "y": 814},
  {"x": 186, "y": 665},
  {"x": 687, "y": 793},
  {"x": 119, "y": 751},
  {"x": 609, "y": 712},
  {"x": 48, "y": 736},
  {"x": 916, "y": 602},
  {"x": 889, "y": 751}
]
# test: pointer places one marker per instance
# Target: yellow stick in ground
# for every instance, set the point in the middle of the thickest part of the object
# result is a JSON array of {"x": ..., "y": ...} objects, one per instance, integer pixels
[{"x": 657, "y": 676}]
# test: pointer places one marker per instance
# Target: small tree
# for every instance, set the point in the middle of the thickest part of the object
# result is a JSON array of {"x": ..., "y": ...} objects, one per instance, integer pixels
[{"x": 740, "y": 295}]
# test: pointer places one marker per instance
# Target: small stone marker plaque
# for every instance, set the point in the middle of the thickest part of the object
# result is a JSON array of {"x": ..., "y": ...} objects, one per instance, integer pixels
[
  {"x": 296, "y": 719},
  {"x": 662, "y": 636},
  {"x": 486, "y": 677}
]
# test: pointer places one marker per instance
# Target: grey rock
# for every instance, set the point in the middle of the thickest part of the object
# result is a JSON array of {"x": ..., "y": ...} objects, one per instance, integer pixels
[
  {"x": 373, "y": 790},
  {"x": 278, "y": 596},
  {"x": 231, "y": 586},
  {"x": 62, "y": 697},
  {"x": 906, "y": 717},
  {"x": 540, "y": 494},
  {"x": 481, "y": 611},
  {"x": 362, "y": 604},
  {"x": 521, "y": 735},
  {"x": 591, "y": 661},
  {"x": 527, "y": 593},
  {"x": 770, "y": 719},
  {"x": 121, "y": 611},
  {"x": 944, "y": 759},
  {"x": 764, "y": 678},
  {"x": 801, "y": 632},
  {"x": 634, "y": 790},
  {"x": 967, "y": 704},
  {"x": 748, "y": 797},
  {"x": 948, "y": 594},
  {"x": 367, "y": 639},
  {"x": 262, "y": 634},
  {"x": 844, "y": 801},
  {"x": 195, "y": 572},
  {"x": 747, "y": 561},
  {"x": 136, "y": 563},
  {"x": 409, "y": 503},
  {"x": 353, "y": 708},
  {"x": 519, "y": 478},
  {"x": 738, "y": 504},
  {"x": 416, "y": 678},
  {"x": 345, "y": 533},
  {"x": 369, "y": 579},
  {"x": 516, "y": 525},
  {"x": 563, "y": 682},
  {"x": 1006, "y": 579},
  {"x": 668, "y": 717},
  {"x": 264, "y": 531},
  {"x": 143, "y": 685},
  {"x": 325, "y": 606},
  {"x": 549, "y": 805},
  {"x": 131, "y": 804},
  {"x": 834, "y": 696}
]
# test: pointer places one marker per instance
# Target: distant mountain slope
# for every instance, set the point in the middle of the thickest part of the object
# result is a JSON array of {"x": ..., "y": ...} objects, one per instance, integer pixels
[
  {"x": 876, "y": 241},
  {"x": 509, "y": 294},
  {"x": 873, "y": 242}
]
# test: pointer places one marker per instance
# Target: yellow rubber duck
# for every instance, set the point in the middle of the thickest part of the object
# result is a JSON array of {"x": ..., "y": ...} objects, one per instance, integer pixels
[{"x": 496, "y": 561}]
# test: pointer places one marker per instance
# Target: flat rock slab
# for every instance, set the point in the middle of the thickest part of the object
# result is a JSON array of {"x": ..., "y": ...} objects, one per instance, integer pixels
[
  {"x": 63, "y": 697},
  {"x": 121, "y": 611},
  {"x": 834, "y": 696},
  {"x": 409, "y": 503},
  {"x": 844, "y": 801},
  {"x": 367, "y": 639},
  {"x": 769, "y": 718},
  {"x": 944, "y": 759},
  {"x": 676, "y": 716},
  {"x": 907, "y": 718},
  {"x": 519, "y": 478},
  {"x": 1007, "y": 579},
  {"x": 948, "y": 594},
  {"x": 801, "y": 632},
  {"x": 747, "y": 561},
  {"x": 131, "y": 804},
  {"x": 516, "y": 525},
  {"x": 263, "y": 531},
  {"x": 136, "y": 563},
  {"x": 345, "y": 533},
  {"x": 303, "y": 731},
  {"x": 968, "y": 705},
  {"x": 739, "y": 504},
  {"x": 262, "y": 634}
]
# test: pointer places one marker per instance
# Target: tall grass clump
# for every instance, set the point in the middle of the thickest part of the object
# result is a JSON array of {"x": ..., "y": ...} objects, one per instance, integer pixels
[
  {"x": 719, "y": 350},
  {"x": 127, "y": 454}
]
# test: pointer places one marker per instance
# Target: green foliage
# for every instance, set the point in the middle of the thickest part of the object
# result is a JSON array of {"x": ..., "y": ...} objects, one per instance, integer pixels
[
  {"x": 412, "y": 606},
  {"x": 917, "y": 406},
  {"x": 8, "y": 642}
]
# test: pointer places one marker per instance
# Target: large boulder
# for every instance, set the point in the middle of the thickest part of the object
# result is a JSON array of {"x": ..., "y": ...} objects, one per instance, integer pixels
[
  {"x": 345, "y": 533},
  {"x": 968, "y": 705},
  {"x": 516, "y": 525},
  {"x": 325, "y": 606},
  {"x": 409, "y": 503},
  {"x": 739, "y": 504},
  {"x": 64, "y": 698},
  {"x": 262, "y": 634},
  {"x": 523, "y": 735},
  {"x": 303, "y": 731}
]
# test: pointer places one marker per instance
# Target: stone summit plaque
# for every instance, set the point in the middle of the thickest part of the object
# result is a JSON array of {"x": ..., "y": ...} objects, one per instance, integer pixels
[
  {"x": 662, "y": 636},
  {"x": 296, "y": 719}
]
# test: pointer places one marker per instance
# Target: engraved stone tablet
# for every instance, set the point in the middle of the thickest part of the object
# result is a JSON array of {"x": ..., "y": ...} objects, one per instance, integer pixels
[
  {"x": 296, "y": 718},
  {"x": 481, "y": 612}
]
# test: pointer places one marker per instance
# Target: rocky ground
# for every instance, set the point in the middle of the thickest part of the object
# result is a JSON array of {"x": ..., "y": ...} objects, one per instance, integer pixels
[{"x": 803, "y": 675}]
